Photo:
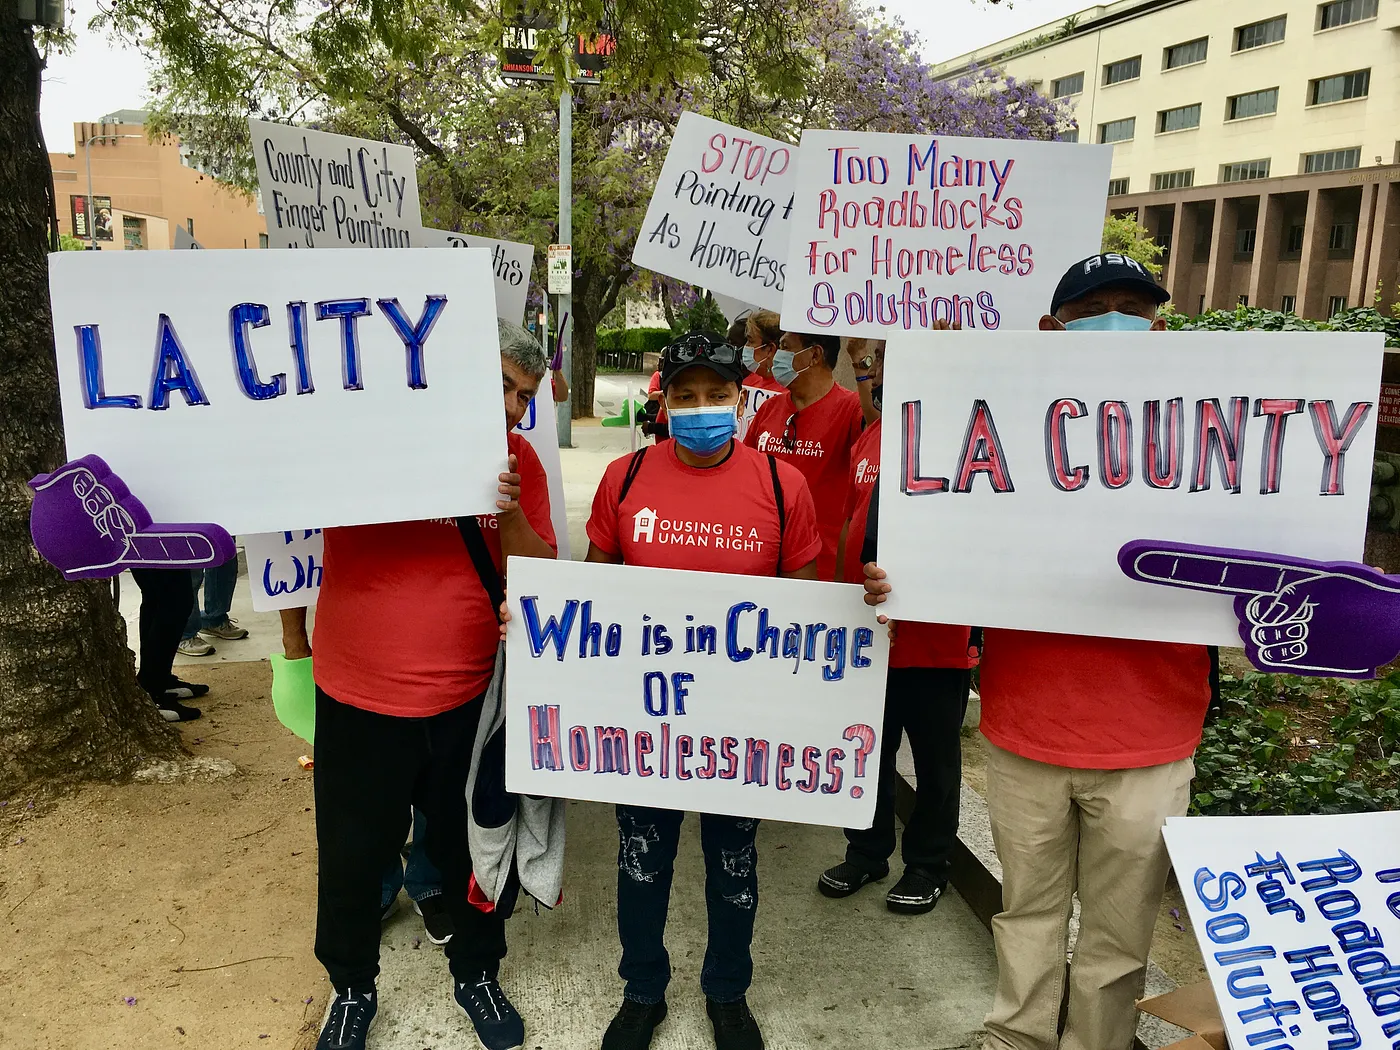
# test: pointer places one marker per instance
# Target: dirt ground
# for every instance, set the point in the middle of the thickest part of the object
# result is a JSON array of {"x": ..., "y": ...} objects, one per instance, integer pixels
[
  {"x": 168, "y": 915},
  {"x": 1174, "y": 947}
]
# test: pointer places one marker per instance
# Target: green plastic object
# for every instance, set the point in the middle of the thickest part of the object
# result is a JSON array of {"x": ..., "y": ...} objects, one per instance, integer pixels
[
  {"x": 622, "y": 419},
  {"x": 294, "y": 695}
]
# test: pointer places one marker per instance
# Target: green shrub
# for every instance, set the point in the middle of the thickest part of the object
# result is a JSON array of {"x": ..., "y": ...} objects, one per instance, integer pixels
[{"x": 1243, "y": 318}]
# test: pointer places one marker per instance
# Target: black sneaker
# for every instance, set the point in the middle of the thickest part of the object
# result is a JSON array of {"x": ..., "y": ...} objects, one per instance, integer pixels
[
  {"x": 497, "y": 1023},
  {"x": 436, "y": 920},
  {"x": 914, "y": 894},
  {"x": 735, "y": 1028},
  {"x": 178, "y": 690},
  {"x": 632, "y": 1027},
  {"x": 846, "y": 878},
  {"x": 173, "y": 711},
  {"x": 348, "y": 1024}
]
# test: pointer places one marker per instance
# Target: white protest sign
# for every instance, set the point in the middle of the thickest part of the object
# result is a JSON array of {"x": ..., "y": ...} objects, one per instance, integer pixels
[
  {"x": 511, "y": 261},
  {"x": 1298, "y": 919},
  {"x": 284, "y": 568},
  {"x": 1018, "y": 463},
  {"x": 721, "y": 211},
  {"x": 354, "y": 385},
  {"x": 893, "y": 232},
  {"x": 333, "y": 191},
  {"x": 540, "y": 430},
  {"x": 746, "y": 695}
]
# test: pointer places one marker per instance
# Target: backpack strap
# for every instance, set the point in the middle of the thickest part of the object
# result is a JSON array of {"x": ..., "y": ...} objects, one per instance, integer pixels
[
  {"x": 481, "y": 558},
  {"x": 782, "y": 509},
  {"x": 632, "y": 470}
]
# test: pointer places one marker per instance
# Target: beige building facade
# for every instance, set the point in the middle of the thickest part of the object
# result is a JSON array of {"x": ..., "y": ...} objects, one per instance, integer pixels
[
  {"x": 142, "y": 190},
  {"x": 1258, "y": 140}
]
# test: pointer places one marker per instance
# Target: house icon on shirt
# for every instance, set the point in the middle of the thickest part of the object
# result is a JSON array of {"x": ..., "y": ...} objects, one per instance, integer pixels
[{"x": 643, "y": 524}]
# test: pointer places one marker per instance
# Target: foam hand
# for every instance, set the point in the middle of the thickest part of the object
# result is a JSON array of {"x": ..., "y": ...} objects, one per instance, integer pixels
[
  {"x": 1297, "y": 616},
  {"x": 86, "y": 523}
]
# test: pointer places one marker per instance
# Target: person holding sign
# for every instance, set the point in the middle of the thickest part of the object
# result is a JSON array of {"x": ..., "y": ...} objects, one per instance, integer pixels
[
  {"x": 925, "y": 698},
  {"x": 703, "y": 502},
  {"x": 758, "y": 333},
  {"x": 406, "y": 641},
  {"x": 812, "y": 425},
  {"x": 1089, "y": 744}
]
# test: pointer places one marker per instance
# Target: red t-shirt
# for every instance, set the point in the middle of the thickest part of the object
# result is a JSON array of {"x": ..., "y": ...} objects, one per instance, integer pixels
[
  {"x": 712, "y": 519},
  {"x": 915, "y": 644},
  {"x": 655, "y": 387},
  {"x": 1093, "y": 703},
  {"x": 825, "y": 432},
  {"x": 403, "y": 624},
  {"x": 755, "y": 393}
]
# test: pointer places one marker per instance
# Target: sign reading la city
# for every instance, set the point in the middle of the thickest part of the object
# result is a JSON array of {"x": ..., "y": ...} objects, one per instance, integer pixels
[
  {"x": 1016, "y": 465},
  {"x": 752, "y": 696},
  {"x": 332, "y": 191},
  {"x": 891, "y": 233},
  {"x": 721, "y": 212},
  {"x": 352, "y": 382}
]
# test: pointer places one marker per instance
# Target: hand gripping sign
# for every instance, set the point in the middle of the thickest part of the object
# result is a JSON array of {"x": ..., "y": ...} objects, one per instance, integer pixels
[
  {"x": 1297, "y": 616},
  {"x": 86, "y": 522}
]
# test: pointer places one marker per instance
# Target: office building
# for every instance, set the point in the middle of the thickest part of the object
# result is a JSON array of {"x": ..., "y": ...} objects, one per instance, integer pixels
[{"x": 1257, "y": 140}]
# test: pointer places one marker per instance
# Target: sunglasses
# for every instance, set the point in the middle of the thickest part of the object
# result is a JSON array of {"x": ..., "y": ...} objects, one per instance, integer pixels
[{"x": 699, "y": 348}]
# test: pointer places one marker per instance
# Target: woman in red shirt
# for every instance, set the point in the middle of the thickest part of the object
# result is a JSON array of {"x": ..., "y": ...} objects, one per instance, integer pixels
[{"x": 701, "y": 473}]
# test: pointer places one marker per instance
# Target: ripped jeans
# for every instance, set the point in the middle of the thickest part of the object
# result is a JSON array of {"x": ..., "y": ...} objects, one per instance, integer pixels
[{"x": 645, "y": 861}]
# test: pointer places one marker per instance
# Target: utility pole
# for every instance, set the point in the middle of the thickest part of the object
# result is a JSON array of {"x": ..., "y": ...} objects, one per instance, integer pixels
[
  {"x": 565, "y": 412},
  {"x": 87, "y": 154}
]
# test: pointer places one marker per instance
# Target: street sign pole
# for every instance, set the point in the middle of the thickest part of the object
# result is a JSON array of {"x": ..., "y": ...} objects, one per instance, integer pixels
[{"x": 564, "y": 411}]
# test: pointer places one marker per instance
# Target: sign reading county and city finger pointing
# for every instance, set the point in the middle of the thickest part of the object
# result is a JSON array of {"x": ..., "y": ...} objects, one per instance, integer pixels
[
  {"x": 1017, "y": 466},
  {"x": 891, "y": 233},
  {"x": 747, "y": 695},
  {"x": 721, "y": 211},
  {"x": 349, "y": 382}
]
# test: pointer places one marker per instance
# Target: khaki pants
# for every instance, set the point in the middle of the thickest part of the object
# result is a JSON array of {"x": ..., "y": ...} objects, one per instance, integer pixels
[{"x": 1098, "y": 832}]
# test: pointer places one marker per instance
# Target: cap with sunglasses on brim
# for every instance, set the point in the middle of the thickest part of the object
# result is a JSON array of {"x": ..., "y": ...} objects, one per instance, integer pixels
[
  {"x": 1101, "y": 271},
  {"x": 702, "y": 348}
]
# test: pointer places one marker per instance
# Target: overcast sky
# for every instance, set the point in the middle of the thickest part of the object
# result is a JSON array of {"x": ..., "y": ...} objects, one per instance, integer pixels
[{"x": 98, "y": 77}]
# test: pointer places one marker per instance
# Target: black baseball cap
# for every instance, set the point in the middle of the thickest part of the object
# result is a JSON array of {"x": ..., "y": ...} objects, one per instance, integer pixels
[
  {"x": 1103, "y": 270},
  {"x": 702, "y": 348}
]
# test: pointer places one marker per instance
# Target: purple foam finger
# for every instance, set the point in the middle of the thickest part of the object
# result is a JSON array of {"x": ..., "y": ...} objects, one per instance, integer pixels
[{"x": 1220, "y": 569}]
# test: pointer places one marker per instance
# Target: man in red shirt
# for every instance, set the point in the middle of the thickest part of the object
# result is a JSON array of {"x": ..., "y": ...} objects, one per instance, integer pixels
[
  {"x": 754, "y": 516},
  {"x": 925, "y": 698},
  {"x": 406, "y": 641},
  {"x": 1089, "y": 745},
  {"x": 812, "y": 425}
]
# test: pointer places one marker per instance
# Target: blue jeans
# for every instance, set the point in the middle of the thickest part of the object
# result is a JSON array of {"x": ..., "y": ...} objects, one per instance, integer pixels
[
  {"x": 218, "y": 596},
  {"x": 646, "y": 855},
  {"x": 418, "y": 876}
]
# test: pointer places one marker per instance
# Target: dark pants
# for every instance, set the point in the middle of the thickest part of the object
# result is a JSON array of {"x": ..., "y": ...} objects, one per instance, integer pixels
[
  {"x": 166, "y": 600},
  {"x": 645, "y": 863},
  {"x": 371, "y": 770},
  {"x": 927, "y": 704},
  {"x": 218, "y": 583}
]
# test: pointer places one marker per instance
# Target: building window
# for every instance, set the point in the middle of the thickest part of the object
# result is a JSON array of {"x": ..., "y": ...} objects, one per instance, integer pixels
[
  {"x": 1066, "y": 86},
  {"x": 1339, "y": 88},
  {"x": 1127, "y": 69},
  {"x": 1117, "y": 130},
  {"x": 1336, "y": 304},
  {"x": 1254, "y": 104},
  {"x": 1344, "y": 12},
  {"x": 1201, "y": 305},
  {"x": 1257, "y": 34},
  {"x": 1342, "y": 237},
  {"x": 1242, "y": 299},
  {"x": 1179, "y": 119},
  {"x": 1293, "y": 244},
  {"x": 1287, "y": 304},
  {"x": 1332, "y": 160},
  {"x": 1245, "y": 170},
  {"x": 1072, "y": 135},
  {"x": 262, "y": 240},
  {"x": 1117, "y": 187},
  {"x": 1244, "y": 241},
  {"x": 1174, "y": 180},
  {"x": 1187, "y": 54},
  {"x": 133, "y": 233}
]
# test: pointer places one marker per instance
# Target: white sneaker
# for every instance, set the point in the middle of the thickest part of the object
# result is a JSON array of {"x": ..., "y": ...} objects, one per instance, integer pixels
[{"x": 195, "y": 646}]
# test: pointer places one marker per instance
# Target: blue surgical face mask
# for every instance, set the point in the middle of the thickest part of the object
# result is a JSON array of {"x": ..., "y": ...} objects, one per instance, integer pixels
[
  {"x": 1112, "y": 321},
  {"x": 750, "y": 362},
  {"x": 704, "y": 430},
  {"x": 783, "y": 371}
]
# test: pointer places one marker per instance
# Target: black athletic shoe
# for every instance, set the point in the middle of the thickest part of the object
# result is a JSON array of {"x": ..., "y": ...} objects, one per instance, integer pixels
[
  {"x": 633, "y": 1026},
  {"x": 178, "y": 690},
  {"x": 735, "y": 1028},
  {"x": 437, "y": 922},
  {"x": 173, "y": 711},
  {"x": 498, "y": 1025},
  {"x": 351, "y": 1014},
  {"x": 846, "y": 878},
  {"x": 914, "y": 894}
]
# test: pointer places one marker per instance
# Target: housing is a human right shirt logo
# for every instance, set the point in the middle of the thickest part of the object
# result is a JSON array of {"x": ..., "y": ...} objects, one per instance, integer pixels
[{"x": 773, "y": 443}]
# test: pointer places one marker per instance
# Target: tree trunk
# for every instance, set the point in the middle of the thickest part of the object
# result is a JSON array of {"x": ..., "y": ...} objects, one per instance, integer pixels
[
  {"x": 588, "y": 291},
  {"x": 70, "y": 707}
]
